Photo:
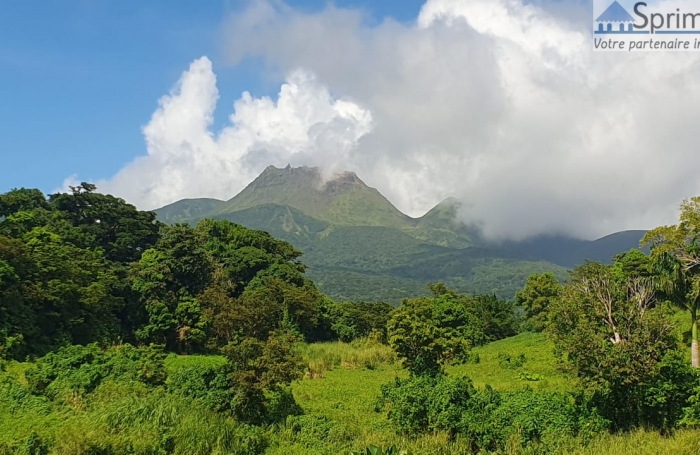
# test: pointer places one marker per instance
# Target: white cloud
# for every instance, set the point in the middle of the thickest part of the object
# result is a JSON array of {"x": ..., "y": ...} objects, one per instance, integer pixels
[
  {"x": 187, "y": 160},
  {"x": 501, "y": 104}
]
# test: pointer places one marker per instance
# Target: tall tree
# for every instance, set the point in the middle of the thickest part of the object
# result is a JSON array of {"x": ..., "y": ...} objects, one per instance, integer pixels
[
  {"x": 108, "y": 222},
  {"x": 675, "y": 254},
  {"x": 616, "y": 342},
  {"x": 536, "y": 297}
]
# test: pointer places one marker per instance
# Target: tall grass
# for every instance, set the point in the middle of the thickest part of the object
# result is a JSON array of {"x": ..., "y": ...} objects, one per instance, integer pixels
[
  {"x": 339, "y": 398},
  {"x": 367, "y": 353},
  {"x": 121, "y": 418}
]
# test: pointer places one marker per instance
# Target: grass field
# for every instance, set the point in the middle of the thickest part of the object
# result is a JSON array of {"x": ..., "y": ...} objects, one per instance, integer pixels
[
  {"x": 346, "y": 395},
  {"x": 339, "y": 397}
]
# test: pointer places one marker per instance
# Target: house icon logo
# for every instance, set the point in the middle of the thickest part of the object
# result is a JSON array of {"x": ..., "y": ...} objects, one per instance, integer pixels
[
  {"x": 644, "y": 25},
  {"x": 615, "y": 20}
]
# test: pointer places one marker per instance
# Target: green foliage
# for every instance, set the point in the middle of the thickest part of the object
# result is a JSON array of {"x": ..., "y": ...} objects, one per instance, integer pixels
[
  {"x": 429, "y": 333},
  {"x": 208, "y": 384},
  {"x": 374, "y": 450},
  {"x": 351, "y": 320},
  {"x": 506, "y": 361},
  {"x": 424, "y": 344},
  {"x": 620, "y": 347},
  {"x": 675, "y": 257},
  {"x": 107, "y": 222},
  {"x": 537, "y": 295},
  {"x": 424, "y": 403},
  {"x": 311, "y": 431},
  {"x": 81, "y": 369},
  {"x": 531, "y": 418},
  {"x": 261, "y": 373},
  {"x": 488, "y": 419},
  {"x": 84, "y": 267},
  {"x": 62, "y": 264},
  {"x": 82, "y": 400}
]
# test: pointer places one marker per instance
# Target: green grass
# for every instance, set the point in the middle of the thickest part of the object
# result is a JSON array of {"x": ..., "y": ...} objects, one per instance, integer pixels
[
  {"x": 539, "y": 362},
  {"x": 642, "y": 442},
  {"x": 348, "y": 391},
  {"x": 16, "y": 370},
  {"x": 339, "y": 406}
]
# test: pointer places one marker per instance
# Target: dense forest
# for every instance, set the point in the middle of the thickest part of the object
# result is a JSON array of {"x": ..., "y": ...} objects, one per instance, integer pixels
[
  {"x": 358, "y": 246},
  {"x": 122, "y": 335}
]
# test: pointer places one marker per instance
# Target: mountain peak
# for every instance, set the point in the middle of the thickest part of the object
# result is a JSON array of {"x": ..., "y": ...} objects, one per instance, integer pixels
[
  {"x": 343, "y": 200},
  {"x": 288, "y": 169}
]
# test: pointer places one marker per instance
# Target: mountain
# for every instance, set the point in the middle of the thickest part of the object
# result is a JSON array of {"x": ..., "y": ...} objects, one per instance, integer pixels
[
  {"x": 344, "y": 201},
  {"x": 358, "y": 246},
  {"x": 441, "y": 226},
  {"x": 188, "y": 209},
  {"x": 569, "y": 252}
]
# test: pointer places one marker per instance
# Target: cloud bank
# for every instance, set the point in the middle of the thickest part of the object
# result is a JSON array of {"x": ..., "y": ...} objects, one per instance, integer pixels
[{"x": 500, "y": 104}]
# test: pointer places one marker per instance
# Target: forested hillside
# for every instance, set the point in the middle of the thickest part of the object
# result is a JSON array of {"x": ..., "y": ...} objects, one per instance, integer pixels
[
  {"x": 358, "y": 246},
  {"x": 123, "y": 335}
]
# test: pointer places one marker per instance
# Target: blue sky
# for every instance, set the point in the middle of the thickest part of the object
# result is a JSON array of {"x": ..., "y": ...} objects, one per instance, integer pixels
[
  {"x": 420, "y": 111},
  {"x": 80, "y": 78}
]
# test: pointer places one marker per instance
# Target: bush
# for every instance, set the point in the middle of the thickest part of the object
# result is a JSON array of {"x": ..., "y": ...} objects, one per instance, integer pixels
[
  {"x": 208, "y": 384},
  {"x": 423, "y": 404},
  {"x": 657, "y": 401},
  {"x": 260, "y": 374},
  {"x": 490, "y": 420},
  {"x": 526, "y": 417},
  {"x": 507, "y": 362},
  {"x": 81, "y": 369},
  {"x": 671, "y": 396}
]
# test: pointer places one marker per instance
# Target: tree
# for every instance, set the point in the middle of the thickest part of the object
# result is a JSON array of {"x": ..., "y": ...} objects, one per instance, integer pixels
[
  {"x": 609, "y": 330},
  {"x": 497, "y": 316},
  {"x": 428, "y": 333},
  {"x": 22, "y": 200},
  {"x": 107, "y": 222},
  {"x": 351, "y": 320},
  {"x": 536, "y": 297},
  {"x": 168, "y": 279},
  {"x": 675, "y": 254},
  {"x": 260, "y": 373}
]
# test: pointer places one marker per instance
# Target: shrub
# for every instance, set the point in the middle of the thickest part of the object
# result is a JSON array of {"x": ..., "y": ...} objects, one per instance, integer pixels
[
  {"x": 506, "y": 361},
  {"x": 80, "y": 369},
  {"x": 527, "y": 417},
  {"x": 260, "y": 372},
  {"x": 490, "y": 420},
  {"x": 208, "y": 384},
  {"x": 423, "y": 404}
]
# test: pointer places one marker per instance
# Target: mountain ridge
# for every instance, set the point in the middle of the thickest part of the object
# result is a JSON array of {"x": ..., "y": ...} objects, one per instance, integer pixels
[{"x": 359, "y": 246}]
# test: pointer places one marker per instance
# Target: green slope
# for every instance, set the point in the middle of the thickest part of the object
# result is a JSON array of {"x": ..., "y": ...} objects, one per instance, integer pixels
[
  {"x": 282, "y": 222},
  {"x": 345, "y": 200},
  {"x": 441, "y": 226},
  {"x": 186, "y": 210},
  {"x": 358, "y": 246},
  {"x": 379, "y": 263}
]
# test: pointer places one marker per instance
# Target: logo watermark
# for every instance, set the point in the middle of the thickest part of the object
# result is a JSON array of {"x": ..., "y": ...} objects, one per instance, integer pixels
[{"x": 652, "y": 25}]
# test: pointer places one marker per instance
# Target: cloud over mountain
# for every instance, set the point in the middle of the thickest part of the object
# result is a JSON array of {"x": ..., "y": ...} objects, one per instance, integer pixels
[
  {"x": 186, "y": 159},
  {"x": 501, "y": 104}
]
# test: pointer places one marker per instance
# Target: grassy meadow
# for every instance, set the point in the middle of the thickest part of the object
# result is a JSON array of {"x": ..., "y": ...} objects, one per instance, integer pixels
[
  {"x": 341, "y": 388},
  {"x": 338, "y": 396}
]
